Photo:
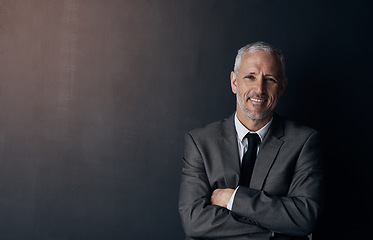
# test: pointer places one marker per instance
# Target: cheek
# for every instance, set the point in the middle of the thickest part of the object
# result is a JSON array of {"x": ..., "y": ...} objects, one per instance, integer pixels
[
  {"x": 246, "y": 89},
  {"x": 241, "y": 90},
  {"x": 274, "y": 92}
]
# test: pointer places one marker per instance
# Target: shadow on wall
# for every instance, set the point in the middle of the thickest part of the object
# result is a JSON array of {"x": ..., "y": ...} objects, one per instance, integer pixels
[{"x": 324, "y": 100}]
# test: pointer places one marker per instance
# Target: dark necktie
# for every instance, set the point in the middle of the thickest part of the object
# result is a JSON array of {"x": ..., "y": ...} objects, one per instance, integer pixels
[{"x": 248, "y": 160}]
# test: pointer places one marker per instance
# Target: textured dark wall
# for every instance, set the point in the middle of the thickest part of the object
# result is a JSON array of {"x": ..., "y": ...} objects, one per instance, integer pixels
[{"x": 95, "y": 97}]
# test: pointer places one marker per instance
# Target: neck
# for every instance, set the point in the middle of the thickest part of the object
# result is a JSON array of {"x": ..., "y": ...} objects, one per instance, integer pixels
[{"x": 253, "y": 124}]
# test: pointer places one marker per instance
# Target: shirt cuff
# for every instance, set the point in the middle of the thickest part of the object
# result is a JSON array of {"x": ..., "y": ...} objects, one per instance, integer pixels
[{"x": 230, "y": 203}]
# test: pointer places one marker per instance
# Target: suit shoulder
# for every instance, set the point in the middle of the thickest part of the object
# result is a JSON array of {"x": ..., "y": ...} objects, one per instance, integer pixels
[
  {"x": 211, "y": 129},
  {"x": 293, "y": 128}
]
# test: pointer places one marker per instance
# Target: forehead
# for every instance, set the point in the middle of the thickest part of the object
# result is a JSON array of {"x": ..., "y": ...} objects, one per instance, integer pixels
[{"x": 260, "y": 61}]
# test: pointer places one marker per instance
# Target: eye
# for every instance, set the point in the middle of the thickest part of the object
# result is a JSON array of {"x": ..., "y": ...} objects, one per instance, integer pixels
[
  {"x": 271, "y": 80},
  {"x": 251, "y": 77}
]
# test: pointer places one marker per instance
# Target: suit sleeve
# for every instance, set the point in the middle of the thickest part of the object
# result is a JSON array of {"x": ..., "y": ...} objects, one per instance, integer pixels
[
  {"x": 297, "y": 212},
  {"x": 200, "y": 219}
]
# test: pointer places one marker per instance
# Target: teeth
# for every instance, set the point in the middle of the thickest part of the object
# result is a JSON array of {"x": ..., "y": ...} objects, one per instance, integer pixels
[{"x": 256, "y": 100}]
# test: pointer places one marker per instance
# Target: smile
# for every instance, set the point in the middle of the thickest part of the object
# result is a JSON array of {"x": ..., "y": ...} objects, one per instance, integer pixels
[{"x": 257, "y": 100}]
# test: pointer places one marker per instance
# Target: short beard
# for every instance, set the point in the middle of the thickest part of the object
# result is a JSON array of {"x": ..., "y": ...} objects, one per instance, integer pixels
[{"x": 251, "y": 115}]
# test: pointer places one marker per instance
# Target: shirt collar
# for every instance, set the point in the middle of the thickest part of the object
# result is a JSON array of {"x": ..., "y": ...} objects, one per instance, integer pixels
[{"x": 242, "y": 130}]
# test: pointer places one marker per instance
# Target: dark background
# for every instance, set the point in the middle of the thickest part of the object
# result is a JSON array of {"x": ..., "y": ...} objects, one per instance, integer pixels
[{"x": 95, "y": 97}]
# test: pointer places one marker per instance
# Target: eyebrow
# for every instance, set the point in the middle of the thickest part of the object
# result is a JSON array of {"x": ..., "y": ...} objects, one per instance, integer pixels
[
  {"x": 267, "y": 75},
  {"x": 247, "y": 74}
]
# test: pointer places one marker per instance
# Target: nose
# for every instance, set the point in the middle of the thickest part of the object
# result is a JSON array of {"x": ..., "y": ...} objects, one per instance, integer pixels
[{"x": 260, "y": 85}]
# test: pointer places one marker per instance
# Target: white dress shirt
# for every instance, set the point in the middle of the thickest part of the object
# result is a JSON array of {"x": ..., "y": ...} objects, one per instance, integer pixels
[{"x": 243, "y": 144}]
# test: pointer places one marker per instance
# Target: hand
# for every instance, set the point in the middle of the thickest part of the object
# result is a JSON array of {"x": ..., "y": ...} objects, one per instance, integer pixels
[{"x": 221, "y": 197}]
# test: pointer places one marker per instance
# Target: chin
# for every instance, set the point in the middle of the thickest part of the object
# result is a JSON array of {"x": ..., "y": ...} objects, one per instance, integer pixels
[{"x": 257, "y": 116}]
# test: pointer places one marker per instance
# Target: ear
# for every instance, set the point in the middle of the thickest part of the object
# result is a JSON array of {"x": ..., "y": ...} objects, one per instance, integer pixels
[
  {"x": 283, "y": 85},
  {"x": 234, "y": 82}
]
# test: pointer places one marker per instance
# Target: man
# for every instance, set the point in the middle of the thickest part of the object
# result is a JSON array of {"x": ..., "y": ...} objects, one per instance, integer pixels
[{"x": 263, "y": 185}]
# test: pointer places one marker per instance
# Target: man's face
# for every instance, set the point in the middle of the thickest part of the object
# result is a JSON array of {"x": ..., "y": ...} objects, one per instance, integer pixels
[{"x": 258, "y": 85}]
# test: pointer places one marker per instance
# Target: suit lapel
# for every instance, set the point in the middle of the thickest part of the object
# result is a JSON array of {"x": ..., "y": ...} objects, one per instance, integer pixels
[
  {"x": 267, "y": 154},
  {"x": 228, "y": 148}
]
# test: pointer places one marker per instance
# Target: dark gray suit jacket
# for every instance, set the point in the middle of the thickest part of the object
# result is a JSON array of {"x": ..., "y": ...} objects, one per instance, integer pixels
[{"x": 285, "y": 193}]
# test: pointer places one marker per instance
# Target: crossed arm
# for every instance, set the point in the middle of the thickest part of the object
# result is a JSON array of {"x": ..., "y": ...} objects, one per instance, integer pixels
[
  {"x": 203, "y": 209},
  {"x": 221, "y": 197},
  {"x": 202, "y": 219}
]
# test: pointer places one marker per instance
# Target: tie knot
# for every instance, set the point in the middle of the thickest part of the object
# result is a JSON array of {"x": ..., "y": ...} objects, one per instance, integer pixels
[{"x": 253, "y": 139}]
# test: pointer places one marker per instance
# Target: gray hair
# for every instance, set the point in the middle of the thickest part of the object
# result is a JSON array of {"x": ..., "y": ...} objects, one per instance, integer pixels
[{"x": 259, "y": 46}]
